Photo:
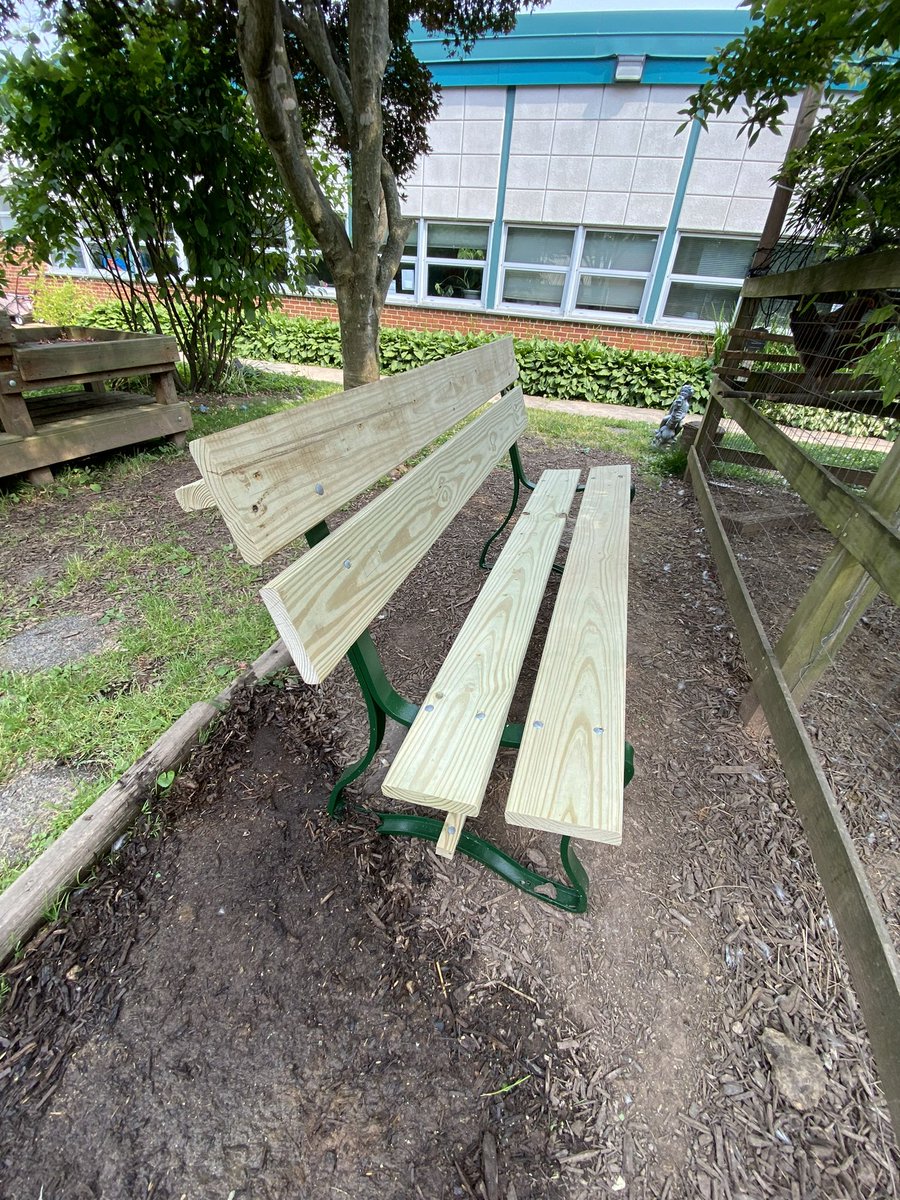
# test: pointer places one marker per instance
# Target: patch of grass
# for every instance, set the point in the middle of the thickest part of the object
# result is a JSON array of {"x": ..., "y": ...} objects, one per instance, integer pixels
[
  {"x": 823, "y": 452},
  {"x": 631, "y": 439}
]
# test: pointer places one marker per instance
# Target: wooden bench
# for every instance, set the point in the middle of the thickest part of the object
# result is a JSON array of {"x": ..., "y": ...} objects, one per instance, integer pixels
[{"x": 282, "y": 476}]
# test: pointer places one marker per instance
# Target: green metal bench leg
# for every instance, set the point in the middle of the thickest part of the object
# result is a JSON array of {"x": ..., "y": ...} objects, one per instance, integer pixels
[{"x": 571, "y": 896}]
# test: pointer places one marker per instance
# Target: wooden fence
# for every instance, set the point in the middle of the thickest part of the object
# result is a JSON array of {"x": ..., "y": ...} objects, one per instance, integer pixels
[{"x": 864, "y": 561}]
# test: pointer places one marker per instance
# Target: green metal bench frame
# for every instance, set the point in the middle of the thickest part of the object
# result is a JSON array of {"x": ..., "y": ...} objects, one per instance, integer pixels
[{"x": 382, "y": 701}]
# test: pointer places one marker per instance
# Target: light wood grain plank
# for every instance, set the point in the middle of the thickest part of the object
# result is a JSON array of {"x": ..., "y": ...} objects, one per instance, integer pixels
[
  {"x": 323, "y": 602},
  {"x": 194, "y": 497},
  {"x": 275, "y": 478},
  {"x": 569, "y": 775},
  {"x": 445, "y": 846},
  {"x": 446, "y": 757}
]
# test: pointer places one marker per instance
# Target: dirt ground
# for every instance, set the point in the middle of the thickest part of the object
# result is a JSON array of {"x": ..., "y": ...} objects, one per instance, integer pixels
[{"x": 253, "y": 1002}]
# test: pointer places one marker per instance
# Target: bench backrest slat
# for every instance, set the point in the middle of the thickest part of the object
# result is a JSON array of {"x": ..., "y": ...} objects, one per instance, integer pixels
[
  {"x": 275, "y": 478},
  {"x": 324, "y": 601}
]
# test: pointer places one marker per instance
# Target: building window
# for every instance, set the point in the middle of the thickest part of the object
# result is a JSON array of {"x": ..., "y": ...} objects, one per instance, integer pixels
[
  {"x": 615, "y": 269},
  {"x": 454, "y": 260},
  {"x": 592, "y": 272},
  {"x": 405, "y": 280},
  {"x": 706, "y": 278},
  {"x": 530, "y": 253}
]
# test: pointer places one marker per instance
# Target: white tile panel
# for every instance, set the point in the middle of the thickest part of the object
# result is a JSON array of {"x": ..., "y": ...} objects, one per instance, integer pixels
[
  {"x": 651, "y": 211},
  {"x": 618, "y": 137},
  {"x": 442, "y": 170},
  {"x": 704, "y": 212},
  {"x": 656, "y": 175},
  {"x": 445, "y": 136},
  {"x": 568, "y": 173},
  {"x": 755, "y": 180},
  {"x": 625, "y": 102},
  {"x": 536, "y": 103},
  {"x": 480, "y": 170},
  {"x": 746, "y": 216},
  {"x": 769, "y": 146},
  {"x": 611, "y": 175},
  {"x": 574, "y": 137},
  {"x": 664, "y": 103},
  {"x": 482, "y": 137},
  {"x": 440, "y": 201},
  {"x": 605, "y": 208},
  {"x": 711, "y": 177},
  {"x": 579, "y": 103},
  {"x": 531, "y": 137},
  {"x": 661, "y": 139},
  {"x": 563, "y": 206},
  {"x": 477, "y": 202},
  {"x": 527, "y": 170},
  {"x": 721, "y": 141},
  {"x": 417, "y": 176},
  {"x": 412, "y": 205},
  {"x": 453, "y": 104},
  {"x": 485, "y": 104},
  {"x": 523, "y": 205}
]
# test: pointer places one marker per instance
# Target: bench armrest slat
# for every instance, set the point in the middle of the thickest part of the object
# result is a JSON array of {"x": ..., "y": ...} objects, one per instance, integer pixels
[
  {"x": 324, "y": 601},
  {"x": 570, "y": 769},
  {"x": 446, "y": 758}
]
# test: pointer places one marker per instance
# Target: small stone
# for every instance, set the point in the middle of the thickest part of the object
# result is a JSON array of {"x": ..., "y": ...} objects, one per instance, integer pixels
[
  {"x": 799, "y": 1075},
  {"x": 536, "y": 858},
  {"x": 618, "y": 1184}
]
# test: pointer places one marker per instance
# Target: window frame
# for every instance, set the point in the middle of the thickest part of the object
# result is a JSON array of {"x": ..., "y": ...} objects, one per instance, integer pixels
[
  {"x": 422, "y": 260},
  {"x": 697, "y": 323},
  {"x": 573, "y": 272}
]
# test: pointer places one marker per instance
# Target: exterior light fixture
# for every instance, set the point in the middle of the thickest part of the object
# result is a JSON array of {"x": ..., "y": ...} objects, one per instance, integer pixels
[{"x": 630, "y": 68}]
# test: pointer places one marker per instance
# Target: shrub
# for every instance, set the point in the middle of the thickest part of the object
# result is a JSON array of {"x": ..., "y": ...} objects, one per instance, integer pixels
[{"x": 60, "y": 304}]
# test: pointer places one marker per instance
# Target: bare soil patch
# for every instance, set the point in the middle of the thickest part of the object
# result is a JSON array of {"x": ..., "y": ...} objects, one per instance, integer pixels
[{"x": 255, "y": 1001}]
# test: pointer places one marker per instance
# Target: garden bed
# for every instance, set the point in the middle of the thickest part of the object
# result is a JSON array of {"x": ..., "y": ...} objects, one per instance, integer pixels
[{"x": 255, "y": 1002}]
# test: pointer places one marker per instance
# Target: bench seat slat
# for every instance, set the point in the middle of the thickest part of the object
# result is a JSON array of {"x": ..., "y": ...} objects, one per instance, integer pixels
[
  {"x": 568, "y": 777},
  {"x": 324, "y": 601},
  {"x": 277, "y": 477},
  {"x": 446, "y": 758}
]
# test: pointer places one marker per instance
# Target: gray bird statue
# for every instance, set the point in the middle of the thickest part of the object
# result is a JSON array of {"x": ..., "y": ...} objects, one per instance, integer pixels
[{"x": 670, "y": 426}]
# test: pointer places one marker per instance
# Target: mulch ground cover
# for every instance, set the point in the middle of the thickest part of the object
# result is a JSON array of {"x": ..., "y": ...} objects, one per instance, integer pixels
[{"x": 251, "y": 1001}]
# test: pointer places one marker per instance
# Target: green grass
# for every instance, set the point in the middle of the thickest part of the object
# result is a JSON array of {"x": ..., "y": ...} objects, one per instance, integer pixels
[{"x": 631, "y": 439}]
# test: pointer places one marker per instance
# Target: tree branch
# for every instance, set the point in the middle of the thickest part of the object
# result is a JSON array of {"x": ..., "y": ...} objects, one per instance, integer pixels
[
  {"x": 398, "y": 229},
  {"x": 270, "y": 86},
  {"x": 311, "y": 31}
]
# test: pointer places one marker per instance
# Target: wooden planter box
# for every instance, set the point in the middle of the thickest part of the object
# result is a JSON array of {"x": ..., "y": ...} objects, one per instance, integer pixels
[{"x": 38, "y": 431}]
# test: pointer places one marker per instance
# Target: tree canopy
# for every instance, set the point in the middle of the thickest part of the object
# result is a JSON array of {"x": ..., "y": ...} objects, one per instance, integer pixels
[
  {"x": 130, "y": 134},
  {"x": 847, "y": 183}
]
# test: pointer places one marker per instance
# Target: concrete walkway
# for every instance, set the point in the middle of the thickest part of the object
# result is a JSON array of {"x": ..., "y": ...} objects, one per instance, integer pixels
[{"x": 612, "y": 412}]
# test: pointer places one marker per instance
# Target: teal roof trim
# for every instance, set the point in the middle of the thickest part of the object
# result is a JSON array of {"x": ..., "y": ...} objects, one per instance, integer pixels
[{"x": 581, "y": 48}]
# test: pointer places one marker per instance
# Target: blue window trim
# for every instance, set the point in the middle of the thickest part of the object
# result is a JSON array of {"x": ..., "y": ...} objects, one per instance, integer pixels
[
  {"x": 671, "y": 230},
  {"x": 493, "y": 267}
]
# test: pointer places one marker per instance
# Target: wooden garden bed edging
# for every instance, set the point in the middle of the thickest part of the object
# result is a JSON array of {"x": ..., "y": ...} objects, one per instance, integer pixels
[
  {"x": 25, "y": 902},
  {"x": 864, "y": 935}
]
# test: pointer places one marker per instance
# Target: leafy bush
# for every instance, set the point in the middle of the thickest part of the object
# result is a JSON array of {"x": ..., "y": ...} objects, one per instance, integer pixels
[
  {"x": 563, "y": 370},
  {"x": 60, "y": 304}
]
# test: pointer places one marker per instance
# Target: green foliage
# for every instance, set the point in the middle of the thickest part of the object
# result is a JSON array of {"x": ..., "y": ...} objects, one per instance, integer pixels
[
  {"x": 130, "y": 135},
  {"x": 847, "y": 184},
  {"x": 825, "y": 420},
  {"x": 61, "y": 304},
  {"x": 564, "y": 370}
]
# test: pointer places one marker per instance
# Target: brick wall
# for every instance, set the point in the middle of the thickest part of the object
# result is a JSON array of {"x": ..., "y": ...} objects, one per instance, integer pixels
[{"x": 451, "y": 320}]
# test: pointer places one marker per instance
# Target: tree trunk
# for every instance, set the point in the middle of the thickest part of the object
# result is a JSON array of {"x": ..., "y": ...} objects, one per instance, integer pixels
[{"x": 360, "y": 330}]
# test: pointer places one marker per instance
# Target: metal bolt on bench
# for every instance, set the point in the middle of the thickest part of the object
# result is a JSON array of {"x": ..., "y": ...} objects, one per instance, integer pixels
[{"x": 266, "y": 479}]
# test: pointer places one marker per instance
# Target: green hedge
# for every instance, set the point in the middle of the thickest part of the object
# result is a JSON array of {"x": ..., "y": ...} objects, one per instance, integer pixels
[{"x": 563, "y": 370}]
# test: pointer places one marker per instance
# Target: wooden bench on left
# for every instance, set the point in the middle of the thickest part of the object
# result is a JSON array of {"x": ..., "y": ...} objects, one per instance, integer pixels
[{"x": 282, "y": 476}]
